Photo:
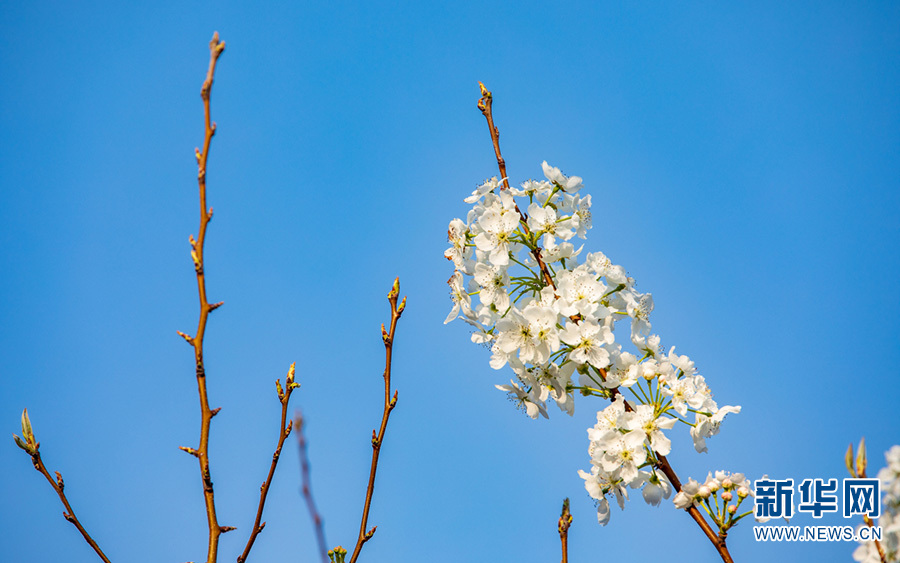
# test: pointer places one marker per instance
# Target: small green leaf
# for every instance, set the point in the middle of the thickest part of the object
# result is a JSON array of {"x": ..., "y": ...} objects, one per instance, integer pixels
[{"x": 21, "y": 443}]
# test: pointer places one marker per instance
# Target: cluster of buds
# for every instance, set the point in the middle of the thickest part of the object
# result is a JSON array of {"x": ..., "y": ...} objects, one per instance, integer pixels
[
  {"x": 337, "y": 555},
  {"x": 550, "y": 311},
  {"x": 731, "y": 488}
]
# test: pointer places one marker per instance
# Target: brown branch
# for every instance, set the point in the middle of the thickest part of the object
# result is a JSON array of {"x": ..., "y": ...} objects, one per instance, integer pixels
[
  {"x": 284, "y": 395},
  {"x": 307, "y": 488},
  {"x": 565, "y": 520},
  {"x": 58, "y": 486},
  {"x": 202, "y": 452},
  {"x": 485, "y": 104},
  {"x": 389, "y": 403}
]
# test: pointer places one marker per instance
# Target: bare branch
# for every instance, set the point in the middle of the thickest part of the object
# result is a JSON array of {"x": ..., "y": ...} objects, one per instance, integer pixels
[
  {"x": 284, "y": 395},
  {"x": 32, "y": 447},
  {"x": 216, "y": 47},
  {"x": 389, "y": 403}
]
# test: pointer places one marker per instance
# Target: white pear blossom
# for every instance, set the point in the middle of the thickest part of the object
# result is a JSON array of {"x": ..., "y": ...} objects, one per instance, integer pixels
[
  {"x": 645, "y": 419},
  {"x": 485, "y": 188},
  {"x": 461, "y": 300},
  {"x": 587, "y": 339},
  {"x": 569, "y": 184}
]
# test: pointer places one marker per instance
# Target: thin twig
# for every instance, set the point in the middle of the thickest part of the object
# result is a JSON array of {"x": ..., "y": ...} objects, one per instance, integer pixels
[
  {"x": 68, "y": 514},
  {"x": 565, "y": 520},
  {"x": 389, "y": 404},
  {"x": 284, "y": 395},
  {"x": 485, "y": 104},
  {"x": 202, "y": 452},
  {"x": 307, "y": 488}
]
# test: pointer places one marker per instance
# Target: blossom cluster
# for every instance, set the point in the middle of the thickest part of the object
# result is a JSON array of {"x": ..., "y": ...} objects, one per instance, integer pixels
[
  {"x": 867, "y": 552},
  {"x": 731, "y": 488},
  {"x": 549, "y": 311}
]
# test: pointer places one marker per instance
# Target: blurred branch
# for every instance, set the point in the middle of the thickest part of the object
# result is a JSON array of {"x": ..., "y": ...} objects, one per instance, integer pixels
[
  {"x": 284, "y": 395},
  {"x": 565, "y": 520},
  {"x": 32, "y": 447},
  {"x": 307, "y": 488},
  {"x": 202, "y": 452},
  {"x": 389, "y": 403}
]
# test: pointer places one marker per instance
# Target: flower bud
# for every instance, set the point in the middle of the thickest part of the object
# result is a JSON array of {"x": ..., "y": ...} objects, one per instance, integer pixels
[
  {"x": 848, "y": 460},
  {"x": 861, "y": 458},
  {"x": 732, "y": 509},
  {"x": 727, "y": 496},
  {"x": 704, "y": 492},
  {"x": 727, "y": 483},
  {"x": 743, "y": 492},
  {"x": 290, "y": 376}
]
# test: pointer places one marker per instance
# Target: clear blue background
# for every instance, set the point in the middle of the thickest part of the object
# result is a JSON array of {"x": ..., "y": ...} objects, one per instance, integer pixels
[{"x": 744, "y": 163}]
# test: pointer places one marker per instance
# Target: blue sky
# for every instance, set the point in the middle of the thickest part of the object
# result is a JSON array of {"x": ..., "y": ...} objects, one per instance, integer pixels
[{"x": 744, "y": 163}]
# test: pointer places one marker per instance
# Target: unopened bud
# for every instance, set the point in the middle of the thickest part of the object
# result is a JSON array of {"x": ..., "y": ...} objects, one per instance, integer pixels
[
  {"x": 402, "y": 305},
  {"x": 732, "y": 509},
  {"x": 704, "y": 492},
  {"x": 861, "y": 458},
  {"x": 395, "y": 289},
  {"x": 727, "y": 496},
  {"x": 27, "y": 432},
  {"x": 727, "y": 483},
  {"x": 743, "y": 492},
  {"x": 848, "y": 460},
  {"x": 290, "y": 376},
  {"x": 279, "y": 389}
]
